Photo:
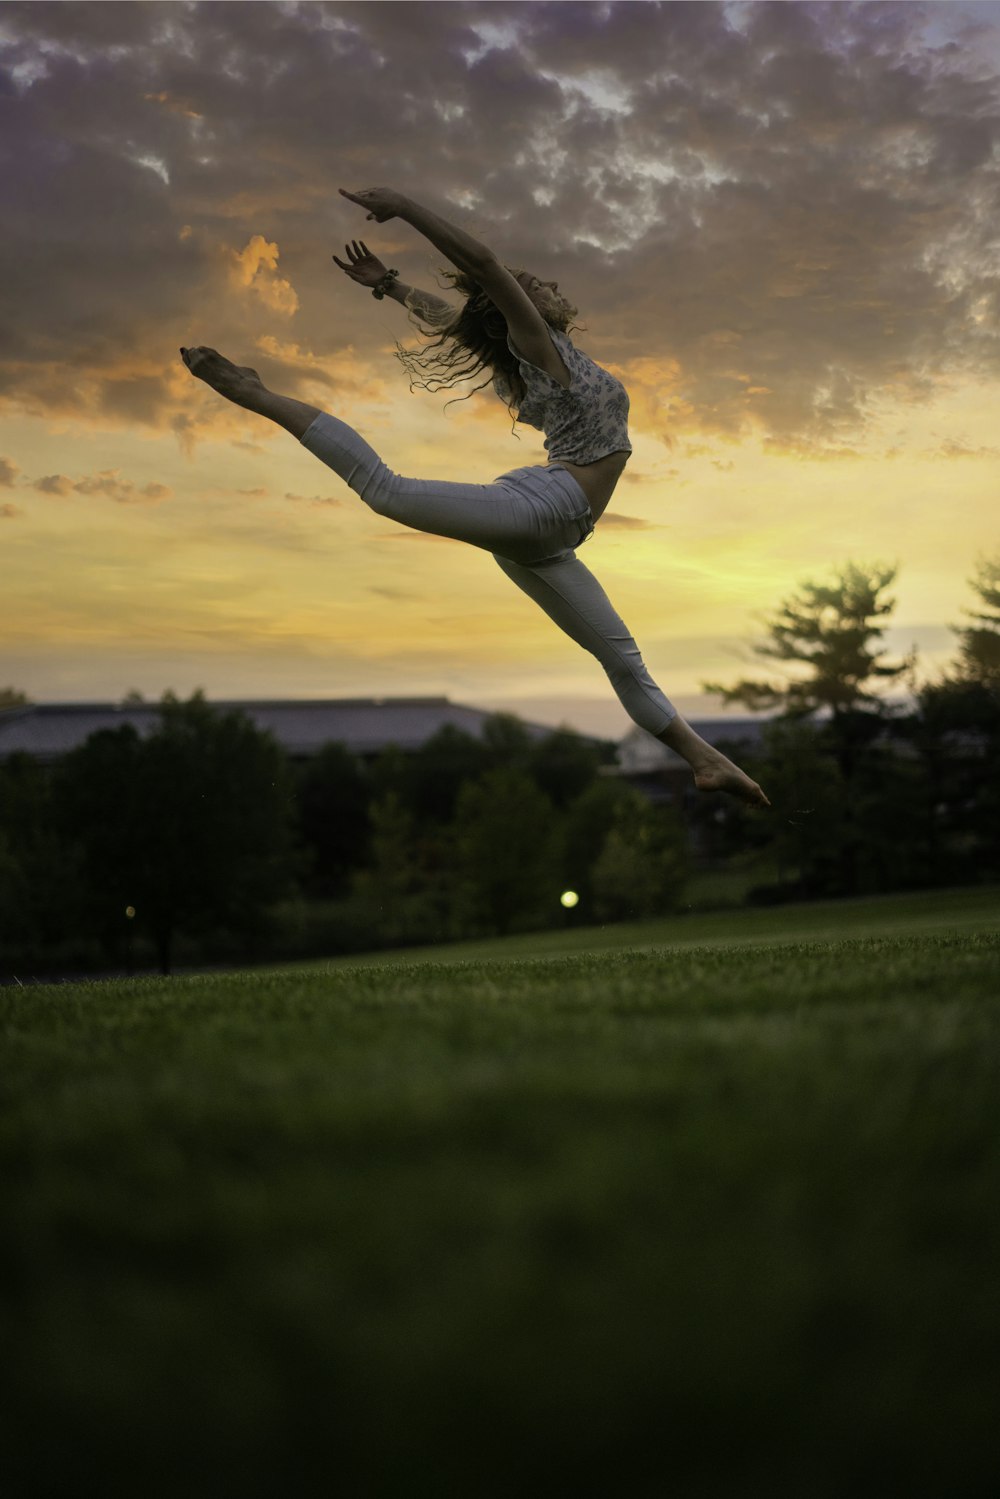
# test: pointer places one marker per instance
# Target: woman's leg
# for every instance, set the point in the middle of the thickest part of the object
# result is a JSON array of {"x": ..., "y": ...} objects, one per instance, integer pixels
[
  {"x": 531, "y": 521},
  {"x": 244, "y": 387},
  {"x": 532, "y": 518},
  {"x": 572, "y": 597}
]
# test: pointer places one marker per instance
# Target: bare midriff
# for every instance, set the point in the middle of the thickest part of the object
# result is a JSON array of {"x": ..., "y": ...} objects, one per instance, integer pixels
[{"x": 597, "y": 480}]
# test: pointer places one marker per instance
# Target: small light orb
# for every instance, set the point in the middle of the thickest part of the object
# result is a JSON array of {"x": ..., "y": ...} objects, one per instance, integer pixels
[
  {"x": 569, "y": 898},
  {"x": 130, "y": 912}
]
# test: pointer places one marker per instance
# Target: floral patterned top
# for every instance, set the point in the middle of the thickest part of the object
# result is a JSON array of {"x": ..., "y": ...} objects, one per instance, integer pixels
[{"x": 583, "y": 421}]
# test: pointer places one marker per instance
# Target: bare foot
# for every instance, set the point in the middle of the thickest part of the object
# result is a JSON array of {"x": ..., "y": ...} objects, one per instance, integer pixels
[
  {"x": 237, "y": 382},
  {"x": 716, "y": 773},
  {"x": 711, "y": 770}
]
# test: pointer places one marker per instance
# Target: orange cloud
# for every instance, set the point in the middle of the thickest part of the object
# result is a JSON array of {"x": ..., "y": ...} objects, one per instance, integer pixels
[{"x": 255, "y": 268}]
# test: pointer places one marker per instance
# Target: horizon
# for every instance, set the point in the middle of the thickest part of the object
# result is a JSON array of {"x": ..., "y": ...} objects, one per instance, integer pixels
[{"x": 777, "y": 222}]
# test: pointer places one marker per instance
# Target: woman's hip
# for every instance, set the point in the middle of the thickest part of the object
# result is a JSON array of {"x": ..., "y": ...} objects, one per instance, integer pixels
[{"x": 558, "y": 505}]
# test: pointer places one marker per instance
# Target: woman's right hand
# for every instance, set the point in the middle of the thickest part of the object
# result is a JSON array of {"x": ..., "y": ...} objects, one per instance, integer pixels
[{"x": 363, "y": 266}]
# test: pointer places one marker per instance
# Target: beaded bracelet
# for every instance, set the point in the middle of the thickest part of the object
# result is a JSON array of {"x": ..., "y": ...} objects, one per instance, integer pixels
[{"x": 379, "y": 291}]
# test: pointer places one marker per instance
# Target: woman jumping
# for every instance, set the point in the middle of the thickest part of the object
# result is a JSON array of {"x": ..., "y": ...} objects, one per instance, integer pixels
[{"x": 531, "y": 519}]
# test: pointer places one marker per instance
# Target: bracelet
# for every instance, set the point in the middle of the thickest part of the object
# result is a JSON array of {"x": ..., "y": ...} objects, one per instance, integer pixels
[{"x": 379, "y": 291}]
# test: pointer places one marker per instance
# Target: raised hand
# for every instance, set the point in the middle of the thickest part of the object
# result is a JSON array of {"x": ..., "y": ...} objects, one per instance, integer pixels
[
  {"x": 363, "y": 267},
  {"x": 382, "y": 202}
]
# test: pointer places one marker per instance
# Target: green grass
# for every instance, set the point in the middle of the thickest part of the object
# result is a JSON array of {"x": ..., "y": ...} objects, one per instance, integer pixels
[
  {"x": 968, "y": 910},
  {"x": 713, "y": 1218}
]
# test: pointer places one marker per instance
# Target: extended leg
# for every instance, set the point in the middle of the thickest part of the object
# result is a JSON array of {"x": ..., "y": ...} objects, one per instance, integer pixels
[
  {"x": 243, "y": 386},
  {"x": 484, "y": 515},
  {"x": 572, "y": 597}
]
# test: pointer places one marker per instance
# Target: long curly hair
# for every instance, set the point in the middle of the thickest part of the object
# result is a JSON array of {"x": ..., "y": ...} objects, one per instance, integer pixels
[{"x": 469, "y": 340}]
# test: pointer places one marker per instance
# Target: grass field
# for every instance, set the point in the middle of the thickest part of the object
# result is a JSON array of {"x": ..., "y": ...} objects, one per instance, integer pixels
[{"x": 714, "y": 1215}]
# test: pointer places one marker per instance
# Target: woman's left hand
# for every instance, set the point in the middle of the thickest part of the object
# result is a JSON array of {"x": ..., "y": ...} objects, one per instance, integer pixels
[{"x": 382, "y": 202}]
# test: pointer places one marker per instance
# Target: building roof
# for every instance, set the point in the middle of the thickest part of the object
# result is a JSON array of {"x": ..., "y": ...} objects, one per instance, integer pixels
[{"x": 48, "y": 731}]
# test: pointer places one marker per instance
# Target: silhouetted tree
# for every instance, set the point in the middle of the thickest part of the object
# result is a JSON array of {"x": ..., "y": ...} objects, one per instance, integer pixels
[
  {"x": 506, "y": 740},
  {"x": 979, "y": 644},
  {"x": 392, "y": 885},
  {"x": 11, "y": 697},
  {"x": 643, "y": 863},
  {"x": 564, "y": 764},
  {"x": 835, "y": 631},
  {"x": 192, "y": 826},
  {"x": 434, "y": 775},
  {"x": 39, "y": 888},
  {"x": 506, "y": 862},
  {"x": 332, "y": 794}
]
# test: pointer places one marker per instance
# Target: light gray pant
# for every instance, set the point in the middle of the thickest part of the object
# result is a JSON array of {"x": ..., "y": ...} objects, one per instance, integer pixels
[{"x": 531, "y": 519}]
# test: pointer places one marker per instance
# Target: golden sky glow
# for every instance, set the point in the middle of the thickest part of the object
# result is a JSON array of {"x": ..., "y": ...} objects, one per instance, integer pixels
[{"x": 805, "y": 314}]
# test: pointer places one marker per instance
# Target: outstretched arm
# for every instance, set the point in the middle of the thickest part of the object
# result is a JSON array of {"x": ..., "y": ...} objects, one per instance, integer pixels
[
  {"x": 525, "y": 323},
  {"x": 462, "y": 250},
  {"x": 367, "y": 270}
]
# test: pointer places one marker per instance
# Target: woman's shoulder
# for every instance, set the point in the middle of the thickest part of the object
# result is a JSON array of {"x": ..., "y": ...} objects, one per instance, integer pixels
[{"x": 563, "y": 360}]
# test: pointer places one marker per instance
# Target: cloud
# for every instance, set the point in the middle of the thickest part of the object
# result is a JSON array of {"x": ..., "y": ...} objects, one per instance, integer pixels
[
  {"x": 772, "y": 216},
  {"x": 255, "y": 268},
  {"x": 53, "y": 484},
  {"x": 323, "y": 500},
  {"x": 8, "y": 473},
  {"x": 958, "y": 447},
  {"x": 395, "y": 594},
  {"x": 106, "y": 483},
  {"x": 10, "y": 512},
  {"x": 123, "y": 492}
]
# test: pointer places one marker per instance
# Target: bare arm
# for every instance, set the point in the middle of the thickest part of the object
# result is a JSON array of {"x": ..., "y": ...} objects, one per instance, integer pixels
[
  {"x": 462, "y": 250},
  {"x": 525, "y": 323},
  {"x": 433, "y": 309},
  {"x": 367, "y": 270}
]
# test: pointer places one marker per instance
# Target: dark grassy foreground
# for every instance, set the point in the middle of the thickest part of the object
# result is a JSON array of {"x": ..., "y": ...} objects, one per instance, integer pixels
[{"x": 696, "y": 1221}]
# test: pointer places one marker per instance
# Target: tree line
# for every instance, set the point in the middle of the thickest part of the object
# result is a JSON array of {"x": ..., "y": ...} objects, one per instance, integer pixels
[
  {"x": 204, "y": 838},
  {"x": 871, "y": 794}
]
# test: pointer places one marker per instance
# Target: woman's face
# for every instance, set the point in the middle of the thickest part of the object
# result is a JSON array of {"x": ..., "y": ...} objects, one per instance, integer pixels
[{"x": 546, "y": 296}]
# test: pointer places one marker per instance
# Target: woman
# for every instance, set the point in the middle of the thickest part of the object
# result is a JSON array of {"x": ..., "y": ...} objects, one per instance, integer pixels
[{"x": 531, "y": 519}]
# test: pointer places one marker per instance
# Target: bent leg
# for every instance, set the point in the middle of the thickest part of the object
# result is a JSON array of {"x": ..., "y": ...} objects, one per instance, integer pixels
[{"x": 572, "y": 597}]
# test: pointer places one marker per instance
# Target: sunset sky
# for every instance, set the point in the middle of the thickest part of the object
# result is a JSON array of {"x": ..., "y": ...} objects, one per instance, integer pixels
[{"x": 780, "y": 223}]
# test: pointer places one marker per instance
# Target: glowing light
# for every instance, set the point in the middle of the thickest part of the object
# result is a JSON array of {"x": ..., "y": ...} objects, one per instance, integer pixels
[
  {"x": 130, "y": 912},
  {"x": 569, "y": 898}
]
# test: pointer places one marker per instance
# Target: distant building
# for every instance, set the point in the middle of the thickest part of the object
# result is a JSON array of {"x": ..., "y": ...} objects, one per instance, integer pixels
[{"x": 47, "y": 731}]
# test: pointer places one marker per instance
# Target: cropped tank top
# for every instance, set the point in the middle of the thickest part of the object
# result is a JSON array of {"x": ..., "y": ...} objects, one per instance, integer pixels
[{"x": 583, "y": 421}]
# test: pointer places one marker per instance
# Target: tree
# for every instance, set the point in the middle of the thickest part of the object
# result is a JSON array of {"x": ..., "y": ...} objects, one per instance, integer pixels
[
  {"x": 391, "y": 886},
  {"x": 40, "y": 893},
  {"x": 642, "y": 865},
  {"x": 433, "y": 776},
  {"x": 504, "y": 851},
  {"x": 10, "y": 697},
  {"x": 192, "y": 827},
  {"x": 563, "y": 765},
  {"x": 835, "y": 631},
  {"x": 332, "y": 813},
  {"x": 979, "y": 644},
  {"x": 506, "y": 740}
]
